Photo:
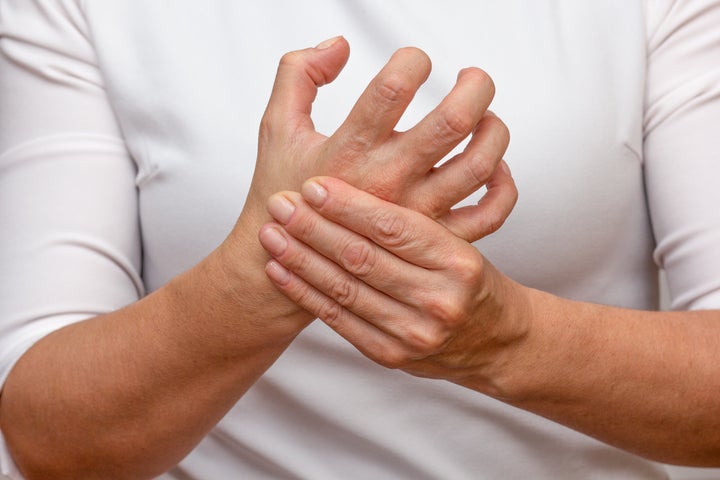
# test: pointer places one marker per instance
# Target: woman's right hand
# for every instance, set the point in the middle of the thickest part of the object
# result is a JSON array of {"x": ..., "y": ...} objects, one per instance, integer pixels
[
  {"x": 367, "y": 152},
  {"x": 148, "y": 381}
]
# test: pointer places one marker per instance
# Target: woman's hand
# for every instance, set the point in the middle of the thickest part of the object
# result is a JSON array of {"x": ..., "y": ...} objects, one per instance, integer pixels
[
  {"x": 399, "y": 286},
  {"x": 366, "y": 151},
  {"x": 369, "y": 154},
  {"x": 409, "y": 294}
]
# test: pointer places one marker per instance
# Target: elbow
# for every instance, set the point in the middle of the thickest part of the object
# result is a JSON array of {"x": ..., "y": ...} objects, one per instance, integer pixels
[{"x": 42, "y": 461}]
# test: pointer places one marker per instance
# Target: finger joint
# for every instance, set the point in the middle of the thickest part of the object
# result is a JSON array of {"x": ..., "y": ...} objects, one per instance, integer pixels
[
  {"x": 358, "y": 258},
  {"x": 330, "y": 312},
  {"x": 390, "y": 229},
  {"x": 344, "y": 290}
]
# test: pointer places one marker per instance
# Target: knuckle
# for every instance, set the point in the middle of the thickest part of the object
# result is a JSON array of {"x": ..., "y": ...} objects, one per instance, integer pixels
[
  {"x": 330, "y": 312},
  {"x": 479, "y": 169},
  {"x": 394, "y": 87},
  {"x": 446, "y": 310},
  {"x": 344, "y": 290},
  {"x": 427, "y": 341},
  {"x": 390, "y": 229},
  {"x": 298, "y": 60},
  {"x": 454, "y": 123},
  {"x": 469, "y": 269},
  {"x": 358, "y": 258}
]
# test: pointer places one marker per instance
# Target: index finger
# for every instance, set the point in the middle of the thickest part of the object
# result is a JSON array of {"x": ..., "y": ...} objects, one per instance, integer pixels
[{"x": 406, "y": 233}]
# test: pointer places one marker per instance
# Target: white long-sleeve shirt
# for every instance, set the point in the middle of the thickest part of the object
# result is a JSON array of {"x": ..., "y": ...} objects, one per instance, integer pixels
[{"x": 127, "y": 143}]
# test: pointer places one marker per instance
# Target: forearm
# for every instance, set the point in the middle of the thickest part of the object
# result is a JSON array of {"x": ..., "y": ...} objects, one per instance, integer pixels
[
  {"x": 128, "y": 394},
  {"x": 644, "y": 381},
  {"x": 139, "y": 387}
]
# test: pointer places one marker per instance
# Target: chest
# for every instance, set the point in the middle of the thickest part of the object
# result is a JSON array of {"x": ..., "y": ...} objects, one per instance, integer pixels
[{"x": 189, "y": 82}]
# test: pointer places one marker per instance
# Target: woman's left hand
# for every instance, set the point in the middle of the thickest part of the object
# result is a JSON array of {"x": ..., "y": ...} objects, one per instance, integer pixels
[
  {"x": 409, "y": 294},
  {"x": 399, "y": 286}
]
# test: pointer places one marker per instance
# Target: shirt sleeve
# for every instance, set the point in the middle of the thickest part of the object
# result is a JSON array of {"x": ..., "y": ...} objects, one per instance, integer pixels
[
  {"x": 682, "y": 147},
  {"x": 69, "y": 234}
]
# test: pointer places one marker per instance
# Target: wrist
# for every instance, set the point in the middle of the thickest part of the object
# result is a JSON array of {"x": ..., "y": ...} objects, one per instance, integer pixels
[
  {"x": 226, "y": 308},
  {"x": 529, "y": 364},
  {"x": 239, "y": 263},
  {"x": 509, "y": 314}
]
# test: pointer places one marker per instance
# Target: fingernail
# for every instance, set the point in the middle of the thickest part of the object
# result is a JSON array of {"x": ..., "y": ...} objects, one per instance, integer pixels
[
  {"x": 314, "y": 193},
  {"x": 280, "y": 208},
  {"x": 273, "y": 241},
  {"x": 328, "y": 43},
  {"x": 277, "y": 273}
]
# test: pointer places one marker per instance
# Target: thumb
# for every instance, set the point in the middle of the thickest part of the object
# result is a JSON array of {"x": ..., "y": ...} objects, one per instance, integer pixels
[{"x": 298, "y": 77}]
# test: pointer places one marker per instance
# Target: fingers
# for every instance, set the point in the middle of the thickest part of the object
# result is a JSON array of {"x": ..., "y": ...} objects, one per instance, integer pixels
[
  {"x": 383, "y": 102},
  {"x": 368, "y": 339},
  {"x": 332, "y": 279},
  {"x": 474, "y": 222},
  {"x": 371, "y": 297},
  {"x": 298, "y": 77},
  {"x": 408, "y": 234},
  {"x": 451, "y": 121},
  {"x": 350, "y": 252},
  {"x": 390, "y": 308},
  {"x": 340, "y": 276},
  {"x": 371, "y": 123},
  {"x": 469, "y": 170},
  {"x": 368, "y": 141},
  {"x": 330, "y": 292}
]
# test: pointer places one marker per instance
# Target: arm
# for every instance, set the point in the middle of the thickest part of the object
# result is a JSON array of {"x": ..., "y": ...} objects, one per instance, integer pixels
[
  {"x": 409, "y": 294},
  {"x": 643, "y": 381},
  {"x": 133, "y": 384}
]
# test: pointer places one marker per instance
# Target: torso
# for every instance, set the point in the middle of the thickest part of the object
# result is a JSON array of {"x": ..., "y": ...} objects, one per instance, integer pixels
[{"x": 189, "y": 81}]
